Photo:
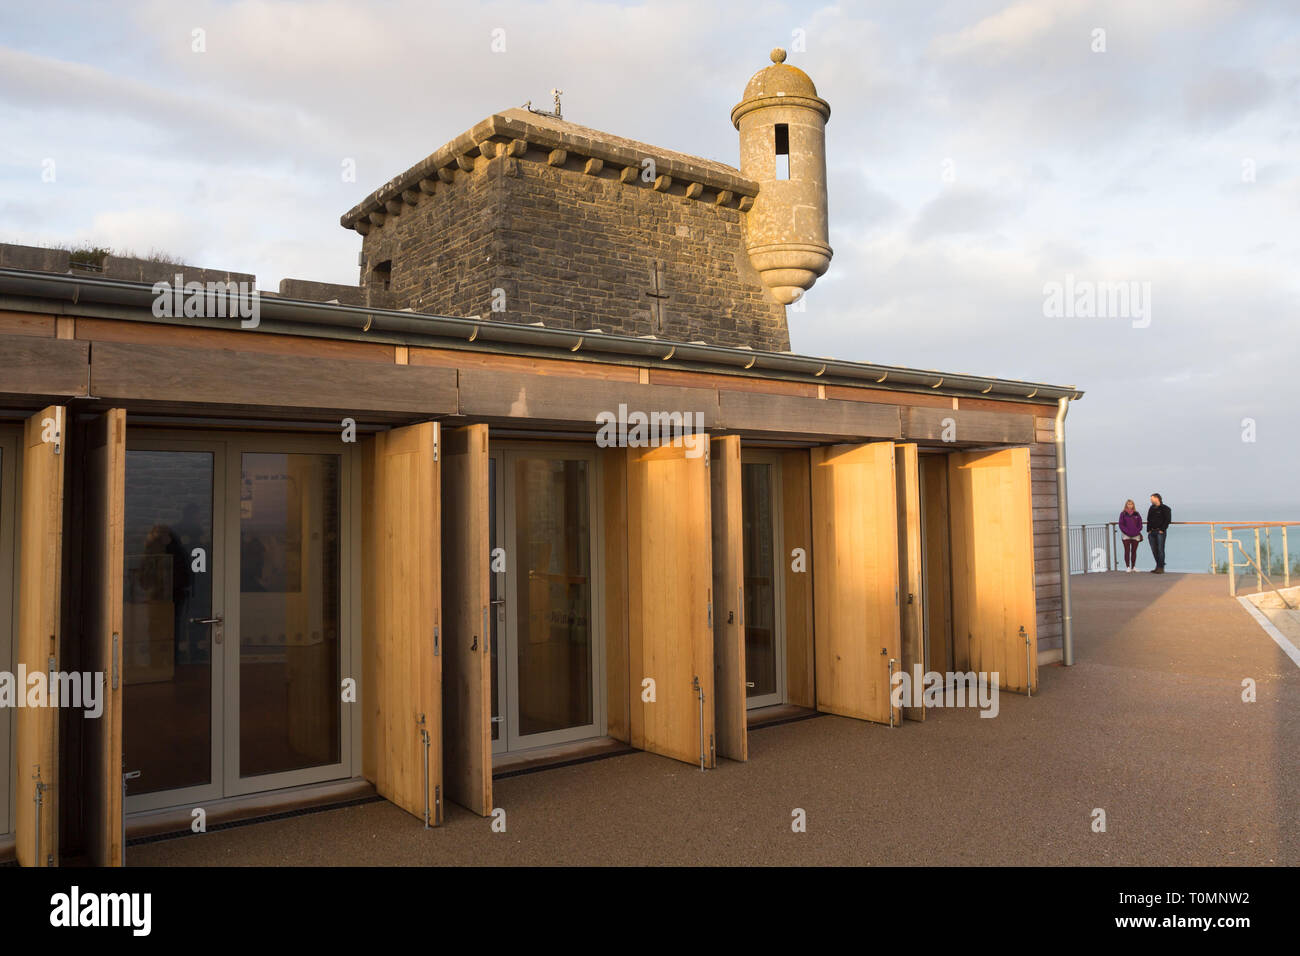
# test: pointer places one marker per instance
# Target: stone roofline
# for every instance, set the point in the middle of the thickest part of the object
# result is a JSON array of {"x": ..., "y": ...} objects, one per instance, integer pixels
[{"x": 563, "y": 145}]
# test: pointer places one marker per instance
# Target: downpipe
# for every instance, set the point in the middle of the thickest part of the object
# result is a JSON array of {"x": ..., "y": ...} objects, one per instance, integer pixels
[{"x": 1063, "y": 514}]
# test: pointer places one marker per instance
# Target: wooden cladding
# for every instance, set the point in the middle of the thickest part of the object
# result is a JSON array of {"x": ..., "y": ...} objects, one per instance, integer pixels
[
  {"x": 498, "y": 394},
  {"x": 992, "y": 543},
  {"x": 50, "y": 367},
  {"x": 187, "y": 369},
  {"x": 215, "y": 377},
  {"x": 670, "y": 640},
  {"x": 467, "y": 641},
  {"x": 40, "y": 557},
  {"x": 401, "y": 631},
  {"x": 855, "y": 540},
  {"x": 812, "y": 417}
]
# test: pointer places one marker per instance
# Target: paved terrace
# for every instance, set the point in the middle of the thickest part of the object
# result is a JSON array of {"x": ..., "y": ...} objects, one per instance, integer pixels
[{"x": 1149, "y": 725}]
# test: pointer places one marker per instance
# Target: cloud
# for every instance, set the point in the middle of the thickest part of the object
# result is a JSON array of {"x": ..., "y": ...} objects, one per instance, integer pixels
[{"x": 960, "y": 210}]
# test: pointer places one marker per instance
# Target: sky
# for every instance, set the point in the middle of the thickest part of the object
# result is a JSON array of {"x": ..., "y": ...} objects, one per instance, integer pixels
[{"x": 983, "y": 157}]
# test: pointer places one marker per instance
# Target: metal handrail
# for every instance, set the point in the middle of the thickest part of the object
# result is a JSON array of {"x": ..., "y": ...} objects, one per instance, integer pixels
[
  {"x": 1084, "y": 535},
  {"x": 1232, "y": 566}
]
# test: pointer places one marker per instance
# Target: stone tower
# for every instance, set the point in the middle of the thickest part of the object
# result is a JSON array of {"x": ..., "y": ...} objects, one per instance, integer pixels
[{"x": 782, "y": 124}]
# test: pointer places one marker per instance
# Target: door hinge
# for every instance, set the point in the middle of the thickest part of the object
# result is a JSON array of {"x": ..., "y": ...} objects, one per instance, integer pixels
[
  {"x": 115, "y": 660},
  {"x": 435, "y": 640},
  {"x": 710, "y": 614}
]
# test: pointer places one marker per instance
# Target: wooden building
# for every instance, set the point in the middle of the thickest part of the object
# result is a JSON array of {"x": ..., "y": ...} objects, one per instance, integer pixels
[{"x": 359, "y": 544}]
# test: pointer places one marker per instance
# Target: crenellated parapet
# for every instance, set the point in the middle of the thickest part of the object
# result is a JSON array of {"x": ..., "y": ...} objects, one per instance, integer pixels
[{"x": 519, "y": 135}]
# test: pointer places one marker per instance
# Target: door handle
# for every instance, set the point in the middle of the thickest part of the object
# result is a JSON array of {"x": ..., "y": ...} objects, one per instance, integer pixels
[{"x": 218, "y": 621}]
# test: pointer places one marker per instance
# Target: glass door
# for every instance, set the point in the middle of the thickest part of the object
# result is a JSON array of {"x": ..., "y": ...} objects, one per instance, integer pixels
[
  {"x": 546, "y": 644},
  {"x": 173, "y": 622},
  {"x": 285, "y": 721},
  {"x": 764, "y": 610},
  {"x": 234, "y": 617}
]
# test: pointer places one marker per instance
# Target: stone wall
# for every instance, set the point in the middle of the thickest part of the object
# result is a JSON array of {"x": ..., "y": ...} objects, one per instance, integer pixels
[{"x": 577, "y": 248}]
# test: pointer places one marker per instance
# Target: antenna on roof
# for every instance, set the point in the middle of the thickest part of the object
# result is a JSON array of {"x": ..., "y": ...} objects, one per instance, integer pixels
[{"x": 556, "y": 113}]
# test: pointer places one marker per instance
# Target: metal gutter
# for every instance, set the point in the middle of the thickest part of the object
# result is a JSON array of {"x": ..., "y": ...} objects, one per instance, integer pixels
[{"x": 360, "y": 323}]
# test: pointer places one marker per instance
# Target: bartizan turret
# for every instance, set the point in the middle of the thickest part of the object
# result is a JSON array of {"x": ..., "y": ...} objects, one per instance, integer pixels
[{"x": 782, "y": 124}]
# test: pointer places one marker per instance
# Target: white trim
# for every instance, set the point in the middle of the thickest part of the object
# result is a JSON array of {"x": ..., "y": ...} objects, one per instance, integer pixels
[{"x": 1280, "y": 639}]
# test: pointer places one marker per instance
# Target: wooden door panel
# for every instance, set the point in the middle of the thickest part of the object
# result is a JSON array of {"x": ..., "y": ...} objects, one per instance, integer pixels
[
  {"x": 669, "y": 592},
  {"x": 991, "y": 526},
  {"x": 855, "y": 539},
  {"x": 467, "y": 651},
  {"x": 910, "y": 574},
  {"x": 40, "y": 557},
  {"x": 401, "y": 634},
  {"x": 105, "y": 486}
]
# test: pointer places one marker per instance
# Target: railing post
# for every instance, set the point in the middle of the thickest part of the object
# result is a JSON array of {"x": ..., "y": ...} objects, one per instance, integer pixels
[
  {"x": 1259, "y": 569},
  {"x": 1214, "y": 561},
  {"x": 1286, "y": 561},
  {"x": 1232, "y": 567}
]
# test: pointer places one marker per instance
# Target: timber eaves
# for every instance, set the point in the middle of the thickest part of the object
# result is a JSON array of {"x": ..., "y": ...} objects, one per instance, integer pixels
[{"x": 362, "y": 324}]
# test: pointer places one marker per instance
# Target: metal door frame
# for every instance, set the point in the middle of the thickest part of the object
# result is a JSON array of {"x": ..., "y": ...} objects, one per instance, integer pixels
[
  {"x": 228, "y": 449},
  {"x": 506, "y": 455}
]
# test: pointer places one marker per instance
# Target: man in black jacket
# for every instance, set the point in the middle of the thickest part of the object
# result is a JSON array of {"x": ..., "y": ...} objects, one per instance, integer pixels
[{"x": 1159, "y": 518}]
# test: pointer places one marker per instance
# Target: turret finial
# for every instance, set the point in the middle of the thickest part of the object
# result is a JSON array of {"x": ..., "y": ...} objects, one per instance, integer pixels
[{"x": 778, "y": 55}]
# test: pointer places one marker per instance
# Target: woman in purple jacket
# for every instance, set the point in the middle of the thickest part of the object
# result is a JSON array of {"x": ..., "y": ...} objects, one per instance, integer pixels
[{"x": 1130, "y": 526}]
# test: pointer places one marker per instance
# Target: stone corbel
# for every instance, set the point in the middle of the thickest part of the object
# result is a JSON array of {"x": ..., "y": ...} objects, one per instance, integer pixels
[
  {"x": 724, "y": 197},
  {"x": 663, "y": 183},
  {"x": 746, "y": 203},
  {"x": 694, "y": 190},
  {"x": 465, "y": 162},
  {"x": 447, "y": 174},
  {"x": 558, "y": 157},
  {"x": 593, "y": 166}
]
